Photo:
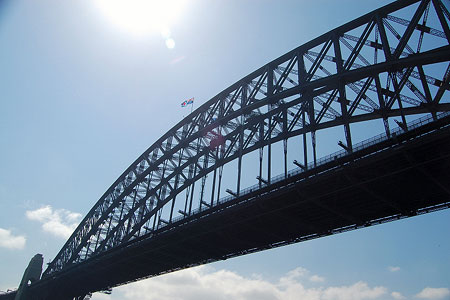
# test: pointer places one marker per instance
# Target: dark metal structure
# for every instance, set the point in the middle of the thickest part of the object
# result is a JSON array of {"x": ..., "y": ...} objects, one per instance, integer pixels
[{"x": 167, "y": 210}]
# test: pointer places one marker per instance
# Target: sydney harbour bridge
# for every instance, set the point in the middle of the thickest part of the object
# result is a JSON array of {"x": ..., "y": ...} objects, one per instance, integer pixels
[{"x": 173, "y": 208}]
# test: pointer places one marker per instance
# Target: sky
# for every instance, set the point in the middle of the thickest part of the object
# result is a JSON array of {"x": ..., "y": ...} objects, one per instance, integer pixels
[{"x": 86, "y": 88}]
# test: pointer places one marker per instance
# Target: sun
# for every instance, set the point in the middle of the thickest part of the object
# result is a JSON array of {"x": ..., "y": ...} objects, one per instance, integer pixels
[{"x": 141, "y": 16}]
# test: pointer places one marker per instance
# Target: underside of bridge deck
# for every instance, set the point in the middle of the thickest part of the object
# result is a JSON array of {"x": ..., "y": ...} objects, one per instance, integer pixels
[{"x": 401, "y": 177}]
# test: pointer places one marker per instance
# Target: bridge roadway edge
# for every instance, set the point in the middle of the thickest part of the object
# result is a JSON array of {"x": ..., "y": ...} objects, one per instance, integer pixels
[{"x": 398, "y": 178}]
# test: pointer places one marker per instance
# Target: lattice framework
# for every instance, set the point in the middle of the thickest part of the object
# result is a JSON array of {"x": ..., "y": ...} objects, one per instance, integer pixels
[{"x": 392, "y": 62}]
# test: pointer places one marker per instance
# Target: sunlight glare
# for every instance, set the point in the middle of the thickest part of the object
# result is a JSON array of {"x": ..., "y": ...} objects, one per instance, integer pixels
[{"x": 141, "y": 16}]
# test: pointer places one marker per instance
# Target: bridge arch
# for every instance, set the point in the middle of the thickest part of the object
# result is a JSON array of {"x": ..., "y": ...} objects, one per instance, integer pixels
[{"x": 376, "y": 67}]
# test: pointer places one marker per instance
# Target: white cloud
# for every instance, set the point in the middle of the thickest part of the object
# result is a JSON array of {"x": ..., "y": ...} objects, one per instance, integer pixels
[
  {"x": 359, "y": 290},
  {"x": 9, "y": 241},
  {"x": 203, "y": 283},
  {"x": 397, "y": 295},
  {"x": 317, "y": 278},
  {"x": 433, "y": 293},
  {"x": 100, "y": 296},
  {"x": 301, "y": 273},
  {"x": 393, "y": 269},
  {"x": 59, "y": 222}
]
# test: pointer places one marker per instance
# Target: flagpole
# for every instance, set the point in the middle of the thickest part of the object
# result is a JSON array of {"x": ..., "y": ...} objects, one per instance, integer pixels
[{"x": 192, "y": 107}]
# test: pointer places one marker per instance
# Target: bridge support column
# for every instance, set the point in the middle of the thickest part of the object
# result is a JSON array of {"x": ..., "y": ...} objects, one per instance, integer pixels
[
  {"x": 192, "y": 194},
  {"x": 305, "y": 144},
  {"x": 269, "y": 150},
  {"x": 285, "y": 158},
  {"x": 301, "y": 79},
  {"x": 342, "y": 94},
  {"x": 220, "y": 182},
  {"x": 205, "y": 165},
  {"x": 382, "y": 107},
  {"x": 213, "y": 185},
  {"x": 397, "y": 87},
  {"x": 261, "y": 152},
  {"x": 285, "y": 141},
  {"x": 313, "y": 141},
  {"x": 241, "y": 140},
  {"x": 270, "y": 91}
]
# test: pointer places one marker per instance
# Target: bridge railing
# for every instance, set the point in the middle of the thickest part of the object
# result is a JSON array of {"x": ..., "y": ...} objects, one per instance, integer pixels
[{"x": 328, "y": 158}]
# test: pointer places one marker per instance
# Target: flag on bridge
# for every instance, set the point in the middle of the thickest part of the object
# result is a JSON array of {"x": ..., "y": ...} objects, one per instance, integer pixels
[{"x": 187, "y": 102}]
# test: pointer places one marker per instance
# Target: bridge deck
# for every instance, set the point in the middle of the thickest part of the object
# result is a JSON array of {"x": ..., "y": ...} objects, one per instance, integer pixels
[{"x": 397, "y": 178}]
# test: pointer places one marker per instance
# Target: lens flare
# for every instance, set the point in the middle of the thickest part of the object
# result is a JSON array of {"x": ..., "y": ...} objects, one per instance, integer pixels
[{"x": 170, "y": 43}]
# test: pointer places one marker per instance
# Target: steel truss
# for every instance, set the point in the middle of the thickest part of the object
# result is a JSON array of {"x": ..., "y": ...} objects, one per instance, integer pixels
[{"x": 378, "y": 66}]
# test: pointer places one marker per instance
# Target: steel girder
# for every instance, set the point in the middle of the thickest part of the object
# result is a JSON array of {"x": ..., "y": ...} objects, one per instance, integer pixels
[{"x": 392, "y": 62}]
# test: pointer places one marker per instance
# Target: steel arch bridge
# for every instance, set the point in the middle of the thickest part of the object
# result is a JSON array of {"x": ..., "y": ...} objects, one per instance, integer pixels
[{"x": 390, "y": 66}]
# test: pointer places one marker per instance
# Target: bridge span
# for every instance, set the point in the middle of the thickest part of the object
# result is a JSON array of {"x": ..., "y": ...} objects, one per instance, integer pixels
[
  {"x": 389, "y": 69},
  {"x": 383, "y": 180}
]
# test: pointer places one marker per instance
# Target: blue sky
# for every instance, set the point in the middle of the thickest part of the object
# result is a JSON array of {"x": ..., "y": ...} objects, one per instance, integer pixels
[{"x": 82, "y": 97}]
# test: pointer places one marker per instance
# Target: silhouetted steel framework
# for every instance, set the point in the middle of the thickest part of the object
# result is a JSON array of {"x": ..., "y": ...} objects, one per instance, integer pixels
[{"x": 390, "y": 63}]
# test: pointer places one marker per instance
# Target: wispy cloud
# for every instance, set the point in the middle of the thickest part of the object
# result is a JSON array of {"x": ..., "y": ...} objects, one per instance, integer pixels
[
  {"x": 397, "y": 295},
  {"x": 58, "y": 222},
  {"x": 9, "y": 241},
  {"x": 433, "y": 293},
  {"x": 393, "y": 269},
  {"x": 203, "y": 283}
]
